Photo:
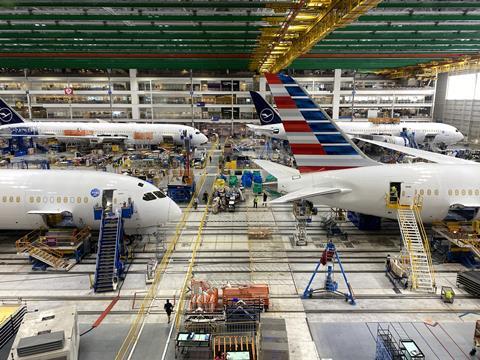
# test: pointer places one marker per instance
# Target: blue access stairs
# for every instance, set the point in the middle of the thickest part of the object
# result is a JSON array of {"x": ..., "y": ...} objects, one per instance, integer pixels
[{"x": 109, "y": 266}]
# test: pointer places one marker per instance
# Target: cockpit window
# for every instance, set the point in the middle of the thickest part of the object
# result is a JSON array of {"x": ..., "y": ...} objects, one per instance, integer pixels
[
  {"x": 159, "y": 194},
  {"x": 140, "y": 184},
  {"x": 197, "y": 132},
  {"x": 457, "y": 131},
  {"x": 148, "y": 196}
]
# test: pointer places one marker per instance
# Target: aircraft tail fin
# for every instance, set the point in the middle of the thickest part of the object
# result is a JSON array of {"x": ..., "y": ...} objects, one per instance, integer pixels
[
  {"x": 266, "y": 113},
  {"x": 8, "y": 115},
  {"x": 317, "y": 143}
]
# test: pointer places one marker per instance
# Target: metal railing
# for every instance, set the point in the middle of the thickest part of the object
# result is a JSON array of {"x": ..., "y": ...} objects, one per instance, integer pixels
[{"x": 426, "y": 243}]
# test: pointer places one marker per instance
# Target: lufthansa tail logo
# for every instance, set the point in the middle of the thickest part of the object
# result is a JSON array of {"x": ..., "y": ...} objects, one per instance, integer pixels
[
  {"x": 266, "y": 115},
  {"x": 5, "y": 115}
]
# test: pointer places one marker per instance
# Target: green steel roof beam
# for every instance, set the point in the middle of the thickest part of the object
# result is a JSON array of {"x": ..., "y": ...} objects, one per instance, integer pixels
[
  {"x": 405, "y": 35},
  {"x": 395, "y": 46},
  {"x": 198, "y": 64},
  {"x": 392, "y": 49},
  {"x": 136, "y": 4},
  {"x": 121, "y": 47},
  {"x": 146, "y": 17},
  {"x": 191, "y": 42},
  {"x": 116, "y": 63},
  {"x": 359, "y": 64},
  {"x": 425, "y": 4},
  {"x": 140, "y": 37},
  {"x": 418, "y": 17},
  {"x": 114, "y": 53},
  {"x": 403, "y": 27},
  {"x": 374, "y": 42},
  {"x": 129, "y": 28}
]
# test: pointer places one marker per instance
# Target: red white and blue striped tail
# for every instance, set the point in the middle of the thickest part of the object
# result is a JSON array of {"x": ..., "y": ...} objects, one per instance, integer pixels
[{"x": 316, "y": 141}]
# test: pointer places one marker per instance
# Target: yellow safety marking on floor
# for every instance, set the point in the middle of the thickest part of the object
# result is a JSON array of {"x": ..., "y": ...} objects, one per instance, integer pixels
[
  {"x": 188, "y": 276},
  {"x": 7, "y": 311},
  {"x": 144, "y": 309},
  {"x": 249, "y": 244}
]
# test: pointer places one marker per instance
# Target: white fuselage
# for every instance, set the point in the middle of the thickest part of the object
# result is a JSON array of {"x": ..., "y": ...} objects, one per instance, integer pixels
[
  {"x": 131, "y": 133},
  {"x": 436, "y": 132},
  {"x": 27, "y": 196},
  {"x": 439, "y": 186}
]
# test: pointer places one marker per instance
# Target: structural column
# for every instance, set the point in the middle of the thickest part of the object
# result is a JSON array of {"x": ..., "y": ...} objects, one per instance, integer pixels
[
  {"x": 337, "y": 77},
  {"x": 134, "y": 94}
]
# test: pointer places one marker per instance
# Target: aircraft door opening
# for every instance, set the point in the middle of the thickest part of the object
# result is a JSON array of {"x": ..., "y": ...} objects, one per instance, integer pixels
[{"x": 107, "y": 199}]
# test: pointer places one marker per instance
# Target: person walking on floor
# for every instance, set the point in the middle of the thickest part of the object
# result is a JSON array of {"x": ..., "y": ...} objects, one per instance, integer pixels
[
  {"x": 265, "y": 197},
  {"x": 195, "y": 203},
  {"x": 168, "y": 309},
  {"x": 255, "y": 202}
]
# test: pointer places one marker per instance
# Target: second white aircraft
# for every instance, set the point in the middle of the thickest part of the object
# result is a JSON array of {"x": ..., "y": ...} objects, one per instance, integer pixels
[
  {"x": 13, "y": 125},
  {"x": 419, "y": 132}
]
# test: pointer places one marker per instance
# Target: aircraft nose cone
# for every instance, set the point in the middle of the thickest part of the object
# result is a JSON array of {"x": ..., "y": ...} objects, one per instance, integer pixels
[{"x": 174, "y": 212}]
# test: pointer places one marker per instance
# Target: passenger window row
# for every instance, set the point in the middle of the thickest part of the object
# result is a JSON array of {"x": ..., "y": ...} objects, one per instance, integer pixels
[
  {"x": 464, "y": 192},
  {"x": 451, "y": 192},
  {"x": 46, "y": 199}
]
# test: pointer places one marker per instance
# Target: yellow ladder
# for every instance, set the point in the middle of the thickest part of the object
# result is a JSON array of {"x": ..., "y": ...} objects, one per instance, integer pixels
[{"x": 415, "y": 241}]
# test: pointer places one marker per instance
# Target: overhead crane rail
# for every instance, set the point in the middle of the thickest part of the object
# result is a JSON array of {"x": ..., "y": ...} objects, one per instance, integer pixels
[
  {"x": 306, "y": 23},
  {"x": 433, "y": 68}
]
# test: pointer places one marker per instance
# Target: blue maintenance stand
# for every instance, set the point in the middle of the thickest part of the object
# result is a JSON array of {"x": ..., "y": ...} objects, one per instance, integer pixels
[
  {"x": 181, "y": 193},
  {"x": 328, "y": 259}
]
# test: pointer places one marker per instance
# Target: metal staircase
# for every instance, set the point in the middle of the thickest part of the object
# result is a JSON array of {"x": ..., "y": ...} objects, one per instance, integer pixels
[
  {"x": 42, "y": 252},
  {"x": 415, "y": 241},
  {"x": 109, "y": 266}
]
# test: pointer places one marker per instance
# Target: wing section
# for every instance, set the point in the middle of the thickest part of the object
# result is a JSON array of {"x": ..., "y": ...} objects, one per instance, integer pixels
[
  {"x": 308, "y": 193},
  {"x": 426, "y": 155},
  {"x": 277, "y": 170},
  {"x": 45, "y": 212}
]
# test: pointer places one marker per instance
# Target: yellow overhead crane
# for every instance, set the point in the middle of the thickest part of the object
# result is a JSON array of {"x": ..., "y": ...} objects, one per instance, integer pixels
[
  {"x": 306, "y": 22},
  {"x": 433, "y": 68}
]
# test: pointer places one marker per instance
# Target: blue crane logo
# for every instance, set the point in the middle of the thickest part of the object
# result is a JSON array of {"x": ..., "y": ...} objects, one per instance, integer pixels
[
  {"x": 5, "y": 115},
  {"x": 266, "y": 115}
]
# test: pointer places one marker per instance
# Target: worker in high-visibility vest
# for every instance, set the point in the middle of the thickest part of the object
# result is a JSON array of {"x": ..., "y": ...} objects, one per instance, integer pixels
[{"x": 393, "y": 195}]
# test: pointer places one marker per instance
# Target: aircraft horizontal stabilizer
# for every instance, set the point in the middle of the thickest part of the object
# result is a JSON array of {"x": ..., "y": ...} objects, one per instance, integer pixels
[
  {"x": 308, "y": 193},
  {"x": 422, "y": 154},
  {"x": 277, "y": 170}
]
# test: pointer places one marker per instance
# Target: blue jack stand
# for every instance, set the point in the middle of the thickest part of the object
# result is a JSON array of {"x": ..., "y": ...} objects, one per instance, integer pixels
[{"x": 328, "y": 259}]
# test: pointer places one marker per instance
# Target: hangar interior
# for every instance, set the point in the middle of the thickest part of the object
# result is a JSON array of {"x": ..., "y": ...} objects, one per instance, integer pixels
[{"x": 239, "y": 179}]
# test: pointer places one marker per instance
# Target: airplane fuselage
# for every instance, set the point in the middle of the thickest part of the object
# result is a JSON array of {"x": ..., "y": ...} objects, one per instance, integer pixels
[
  {"x": 435, "y": 132},
  {"x": 28, "y": 196},
  {"x": 131, "y": 133},
  {"x": 365, "y": 189}
]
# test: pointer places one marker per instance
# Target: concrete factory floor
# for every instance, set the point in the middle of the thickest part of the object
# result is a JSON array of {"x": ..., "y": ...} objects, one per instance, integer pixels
[{"x": 325, "y": 328}]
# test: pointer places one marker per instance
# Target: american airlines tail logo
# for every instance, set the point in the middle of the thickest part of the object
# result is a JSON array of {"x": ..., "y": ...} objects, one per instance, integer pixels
[
  {"x": 266, "y": 115},
  {"x": 5, "y": 115}
]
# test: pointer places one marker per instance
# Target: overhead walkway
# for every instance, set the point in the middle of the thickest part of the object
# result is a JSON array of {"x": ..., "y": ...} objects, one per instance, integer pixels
[{"x": 415, "y": 242}]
